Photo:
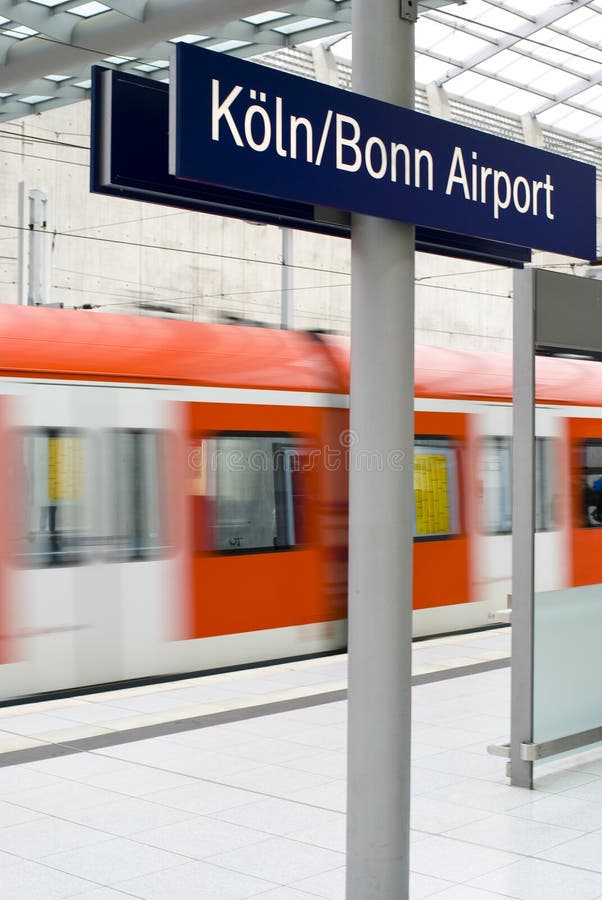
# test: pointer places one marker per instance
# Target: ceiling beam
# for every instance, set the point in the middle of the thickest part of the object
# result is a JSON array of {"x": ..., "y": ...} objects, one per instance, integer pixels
[
  {"x": 112, "y": 34},
  {"x": 504, "y": 41}
]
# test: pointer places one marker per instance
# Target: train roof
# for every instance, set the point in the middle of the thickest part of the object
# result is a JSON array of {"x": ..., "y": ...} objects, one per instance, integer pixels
[{"x": 67, "y": 344}]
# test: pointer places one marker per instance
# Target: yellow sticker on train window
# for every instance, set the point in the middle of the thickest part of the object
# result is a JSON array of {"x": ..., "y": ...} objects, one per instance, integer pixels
[
  {"x": 65, "y": 468},
  {"x": 431, "y": 493}
]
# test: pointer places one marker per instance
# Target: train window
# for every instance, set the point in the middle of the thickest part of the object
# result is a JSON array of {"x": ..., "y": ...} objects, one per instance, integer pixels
[
  {"x": 592, "y": 483},
  {"x": 52, "y": 467},
  {"x": 435, "y": 488},
  {"x": 136, "y": 521},
  {"x": 88, "y": 495},
  {"x": 496, "y": 485},
  {"x": 251, "y": 485}
]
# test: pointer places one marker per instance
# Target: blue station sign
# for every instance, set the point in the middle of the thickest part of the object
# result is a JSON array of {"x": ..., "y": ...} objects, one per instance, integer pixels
[{"x": 254, "y": 129}]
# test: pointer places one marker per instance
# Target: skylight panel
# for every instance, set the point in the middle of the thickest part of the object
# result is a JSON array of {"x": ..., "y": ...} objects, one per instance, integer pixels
[
  {"x": 534, "y": 7},
  {"x": 265, "y": 17},
  {"x": 591, "y": 98},
  {"x": 470, "y": 11},
  {"x": 119, "y": 60},
  {"x": 33, "y": 99},
  {"x": 489, "y": 91},
  {"x": 527, "y": 71},
  {"x": 519, "y": 102},
  {"x": 429, "y": 69},
  {"x": 581, "y": 22},
  {"x": 302, "y": 25},
  {"x": 87, "y": 10},
  {"x": 188, "y": 39},
  {"x": 501, "y": 19},
  {"x": 576, "y": 121},
  {"x": 19, "y": 32},
  {"x": 555, "y": 81},
  {"x": 593, "y": 132},
  {"x": 225, "y": 46},
  {"x": 429, "y": 33},
  {"x": 460, "y": 46}
]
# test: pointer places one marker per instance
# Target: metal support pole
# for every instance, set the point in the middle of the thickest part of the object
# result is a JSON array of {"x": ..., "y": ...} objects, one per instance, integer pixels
[
  {"x": 286, "y": 303},
  {"x": 381, "y": 499},
  {"x": 37, "y": 248},
  {"x": 523, "y": 522},
  {"x": 21, "y": 242}
]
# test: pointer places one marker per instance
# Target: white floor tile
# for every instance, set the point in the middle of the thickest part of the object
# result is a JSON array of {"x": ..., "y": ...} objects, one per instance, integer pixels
[
  {"x": 280, "y": 860},
  {"x": 503, "y": 832},
  {"x": 203, "y": 797},
  {"x": 63, "y": 798},
  {"x": 196, "y": 881},
  {"x": 35, "y": 840},
  {"x": 561, "y": 809},
  {"x": 15, "y": 779},
  {"x": 455, "y": 860},
  {"x": 533, "y": 879},
  {"x": 200, "y": 837},
  {"x": 127, "y": 816},
  {"x": 33, "y": 881},
  {"x": 10, "y": 814},
  {"x": 278, "y": 781},
  {"x": 329, "y": 796},
  {"x": 102, "y": 894},
  {"x": 76, "y": 766},
  {"x": 436, "y": 816},
  {"x": 425, "y": 886},
  {"x": 585, "y": 852},
  {"x": 135, "y": 781},
  {"x": 327, "y": 830},
  {"x": 278, "y": 817},
  {"x": 328, "y": 885},
  {"x": 484, "y": 795},
  {"x": 463, "y": 892},
  {"x": 112, "y": 861}
]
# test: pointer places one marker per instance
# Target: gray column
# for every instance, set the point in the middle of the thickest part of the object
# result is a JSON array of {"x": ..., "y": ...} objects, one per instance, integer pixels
[
  {"x": 381, "y": 498},
  {"x": 523, "y": 523},
  {"x": 286, "y": 297}
]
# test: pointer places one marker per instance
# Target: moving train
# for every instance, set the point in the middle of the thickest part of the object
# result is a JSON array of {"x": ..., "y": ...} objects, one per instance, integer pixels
[{"x": 175, "y": 494}]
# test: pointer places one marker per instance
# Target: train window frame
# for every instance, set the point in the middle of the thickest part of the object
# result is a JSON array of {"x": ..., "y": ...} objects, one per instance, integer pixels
[
  {"x": 204, "y": 546},
  {"x": 451, "y": 448},
  {"x": 98, "y": 536},
  {"x": 134, "y": 552},
  {"x": 52, "y": 558},
  {"x": 585, "y": 517},
  {"x": 545, "y": 452}
]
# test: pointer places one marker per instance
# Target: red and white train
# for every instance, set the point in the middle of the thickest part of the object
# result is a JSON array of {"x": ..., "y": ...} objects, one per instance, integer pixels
[{"x": 175, "y": 494}]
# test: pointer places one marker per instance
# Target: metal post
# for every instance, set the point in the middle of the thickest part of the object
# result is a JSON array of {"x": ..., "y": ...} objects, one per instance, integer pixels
[
  {"x": 523, "y": 522},
  {"x": 381, "y": 498},
  {"x": 37, "y": 247},
  {"x": 286, "y": 303},
  {"x": 21, "y": 242}
]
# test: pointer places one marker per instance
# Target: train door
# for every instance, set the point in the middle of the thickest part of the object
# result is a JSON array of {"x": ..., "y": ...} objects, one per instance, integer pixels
[
  {"x": 441, "y": 543},
  {"x": 258, "y": 561},
  {"x": 585, "y": 535},
  {"x": 83, "y": 455},
  {"x": 493, "y": 542}
]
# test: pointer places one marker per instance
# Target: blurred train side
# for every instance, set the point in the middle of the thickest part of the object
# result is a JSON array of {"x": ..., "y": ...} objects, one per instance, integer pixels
[{"x": 175, "y": 494}]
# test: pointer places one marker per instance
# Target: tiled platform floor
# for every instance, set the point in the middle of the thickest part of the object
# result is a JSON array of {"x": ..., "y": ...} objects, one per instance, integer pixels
[{"x": 254, "y": 808}]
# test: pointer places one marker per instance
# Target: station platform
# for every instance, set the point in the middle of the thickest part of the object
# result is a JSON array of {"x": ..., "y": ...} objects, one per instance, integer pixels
[{"x": 232, "y": 786}]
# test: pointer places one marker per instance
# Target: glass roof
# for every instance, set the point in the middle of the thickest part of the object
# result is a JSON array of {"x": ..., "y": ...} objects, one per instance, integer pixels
[{"x": 533, "y": 57}]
